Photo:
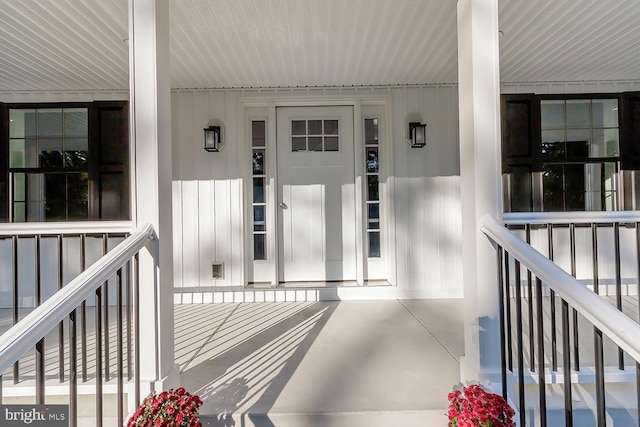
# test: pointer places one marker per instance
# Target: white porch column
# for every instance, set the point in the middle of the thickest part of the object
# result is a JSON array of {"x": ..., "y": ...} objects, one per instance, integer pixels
[
  {"x": 150, "y": 106},
  {"x": 480, "y": 166}
]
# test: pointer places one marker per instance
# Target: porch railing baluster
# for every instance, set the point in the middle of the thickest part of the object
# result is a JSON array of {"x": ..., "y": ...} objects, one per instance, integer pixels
[
  {"x": 520, "y": 344},
  {"x": 61, "y": 325},
  {"x": 40, "y": 345},
  {"x": 98, "y": 334},
  {"x": 616, "y": 239},
  {"x": 119, "y": 347},
  {"x": 532, "y": 359},
  {"x": 73, "y": 370},
  {"x": 503, "y": 356},
  {"x": 14, "y": 254},
  {"x": 105, "y": 296},
  {"x": 552, "y": 306},
  {"x": 541, "y": 369},
  {"x": 574, "y": 313}
]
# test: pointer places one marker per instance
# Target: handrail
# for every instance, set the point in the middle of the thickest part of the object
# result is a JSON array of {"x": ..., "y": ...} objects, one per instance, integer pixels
[
  {"x": 84, "y": 227},
  {"x": 26, "y": 333},
  {"x": 617, "y": 326},
  {"x": 570, "y": 217}
]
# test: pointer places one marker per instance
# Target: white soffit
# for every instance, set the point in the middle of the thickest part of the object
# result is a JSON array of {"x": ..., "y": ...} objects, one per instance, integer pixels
[{"x": 81, "y": 44}]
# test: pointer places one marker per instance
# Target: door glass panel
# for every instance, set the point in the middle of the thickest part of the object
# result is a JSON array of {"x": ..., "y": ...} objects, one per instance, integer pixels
[
  {"x": 315, "y": 127},
  {"x": 258, "y": 190},
  {"x": 331, "y": 143},
  {"x": 298, "y": 127},
  {"x": 372, "y": 187},
  {"x": 330, "y": 127},
  {"x": 299, "y": 144},
  {"x": 372, "y": 159},
  {"x": 315, "y": 143},
  {"x": 258, "y": 162}
]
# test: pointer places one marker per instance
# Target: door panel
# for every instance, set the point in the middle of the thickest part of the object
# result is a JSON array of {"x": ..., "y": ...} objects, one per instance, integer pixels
[{"x": 316, "y": 213}]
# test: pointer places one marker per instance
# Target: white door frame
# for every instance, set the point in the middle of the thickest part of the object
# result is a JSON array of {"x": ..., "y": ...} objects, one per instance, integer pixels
[{"x": 268, "y": 104}]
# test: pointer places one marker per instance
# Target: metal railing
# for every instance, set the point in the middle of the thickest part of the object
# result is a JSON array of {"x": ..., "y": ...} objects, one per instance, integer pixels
[
  {"x": 91, "y": 358},
  {"x": 529, "y": 324}
]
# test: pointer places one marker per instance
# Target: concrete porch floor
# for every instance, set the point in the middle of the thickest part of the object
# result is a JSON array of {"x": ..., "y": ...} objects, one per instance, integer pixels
[{"x": 338, "y": 363}]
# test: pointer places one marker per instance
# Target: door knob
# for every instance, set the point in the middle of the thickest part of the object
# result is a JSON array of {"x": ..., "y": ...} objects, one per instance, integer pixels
[{"x": 283, "y": 205}]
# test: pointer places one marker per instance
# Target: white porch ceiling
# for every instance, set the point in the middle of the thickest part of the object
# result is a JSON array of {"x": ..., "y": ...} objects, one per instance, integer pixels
[{"x": 81, "y": 44}]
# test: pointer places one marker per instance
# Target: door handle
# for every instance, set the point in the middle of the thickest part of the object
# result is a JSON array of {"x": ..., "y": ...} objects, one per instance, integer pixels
[{"x": 283, "y": 205}]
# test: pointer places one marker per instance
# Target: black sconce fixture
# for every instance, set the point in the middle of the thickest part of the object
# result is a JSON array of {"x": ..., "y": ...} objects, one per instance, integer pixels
[
  {"x": 212, "y": 138},
  {"x": 417, "y": 134}
]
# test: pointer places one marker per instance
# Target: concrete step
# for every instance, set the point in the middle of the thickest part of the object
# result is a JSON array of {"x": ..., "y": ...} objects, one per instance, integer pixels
[{"x": 434, "y": 418}]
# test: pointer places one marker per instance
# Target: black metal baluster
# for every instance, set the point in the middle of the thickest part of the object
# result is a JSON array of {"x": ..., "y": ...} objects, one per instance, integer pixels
[
  {"x": 16, "y": 317},
  {"x": 552, "y": 306},
  {"x": 128, "y": 313},
  {"x": 507, "y": 290},
  {"x": 566, "y": 360},
  {"x": 601, "y": 408},
  {"x": 40, "y": 345},
  {"x": 638, "y": 389},
  {"x": 574, "y": 312},
  {"x": 541, "y": 371},
  {"x": 99, "y": 356},
  {"x": 136, "y": 338},
  {"x": 503, "y": 358},
  {"x": 83, "y": 325},
  {"x": 594, "y": 258},
  {"x": 616, "y": 238},
  {"x": 532, "y": 359},
  {"x": 520, "y": 341},
  {"x": 61, "y": 326},
  {"x": 119, "y": 347},
  {"x": 107, "y": 358},
  {"x": 73, "y": 371}
]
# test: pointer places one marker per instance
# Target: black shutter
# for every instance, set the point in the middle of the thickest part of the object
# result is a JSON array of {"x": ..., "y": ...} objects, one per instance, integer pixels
[
  {"x": 109, "y": 169},
  {"x": 520, "y": 147},
  {"x": 4, "y": 163},
  {"x": 630, "y": 131}
]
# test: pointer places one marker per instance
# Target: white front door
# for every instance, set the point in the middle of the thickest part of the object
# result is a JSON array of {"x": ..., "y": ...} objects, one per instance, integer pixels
[{"x": 316, "y": 194}]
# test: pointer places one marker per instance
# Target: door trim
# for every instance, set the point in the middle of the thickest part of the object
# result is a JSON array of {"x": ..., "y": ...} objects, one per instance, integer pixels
[{"x": 268, "y": 105}]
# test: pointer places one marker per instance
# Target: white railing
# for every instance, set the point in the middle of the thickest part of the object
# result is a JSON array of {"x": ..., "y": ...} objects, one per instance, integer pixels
[
  {"x": 620, "y": 328},
  {"x": 515, "y": 255},
  {"x": 62, "y": 306}
]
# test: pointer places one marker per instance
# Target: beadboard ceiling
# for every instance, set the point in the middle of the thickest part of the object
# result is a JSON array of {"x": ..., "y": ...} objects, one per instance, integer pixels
[{"x": 82, "y": 44}]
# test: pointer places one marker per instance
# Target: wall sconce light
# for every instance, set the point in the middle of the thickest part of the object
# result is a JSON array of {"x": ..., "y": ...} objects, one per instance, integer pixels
[
  {"x": 417, "y": 134},
  {"x": 212, "y": 139}
]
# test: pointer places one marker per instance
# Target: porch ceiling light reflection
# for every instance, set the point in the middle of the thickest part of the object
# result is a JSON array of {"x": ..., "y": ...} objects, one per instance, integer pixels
[
  {"x": 417, "y": 134},
  {"x": 212, "y": 139}
]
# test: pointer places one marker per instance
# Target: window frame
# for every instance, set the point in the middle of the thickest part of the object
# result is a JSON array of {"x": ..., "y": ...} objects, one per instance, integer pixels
[
  {"x": 522, "y": 148},
  {"x": 97, "y": 167}
]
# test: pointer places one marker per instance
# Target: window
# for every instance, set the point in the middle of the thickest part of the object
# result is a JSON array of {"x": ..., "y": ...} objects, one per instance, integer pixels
[
  {"x": 259, "y": 201},
  {"x": 372, "y": 171},
  {"x": 567, "y": 153},
  {"x": 66, "y": 162},
  {"x": 314, "y": 135}
]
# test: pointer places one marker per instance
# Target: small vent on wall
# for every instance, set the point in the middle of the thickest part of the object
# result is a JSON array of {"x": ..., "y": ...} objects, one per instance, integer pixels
[{"x": 218, "y": 271}]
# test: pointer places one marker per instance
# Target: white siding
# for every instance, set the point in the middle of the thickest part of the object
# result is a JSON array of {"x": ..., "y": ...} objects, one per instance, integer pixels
[{"x": 208, "y": 187}]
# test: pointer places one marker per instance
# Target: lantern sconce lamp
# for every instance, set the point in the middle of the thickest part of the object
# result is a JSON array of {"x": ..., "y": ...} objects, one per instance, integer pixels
[
  {"x": 417, "y": 134},
  {"x": 212, "y": 139}
]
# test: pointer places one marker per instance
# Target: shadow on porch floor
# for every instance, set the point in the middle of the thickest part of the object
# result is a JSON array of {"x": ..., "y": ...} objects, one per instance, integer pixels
[{"x": 321, "y": 363}]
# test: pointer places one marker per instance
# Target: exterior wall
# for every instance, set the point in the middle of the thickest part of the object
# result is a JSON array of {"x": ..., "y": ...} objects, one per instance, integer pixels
[{"x": 424, "y": 186}]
